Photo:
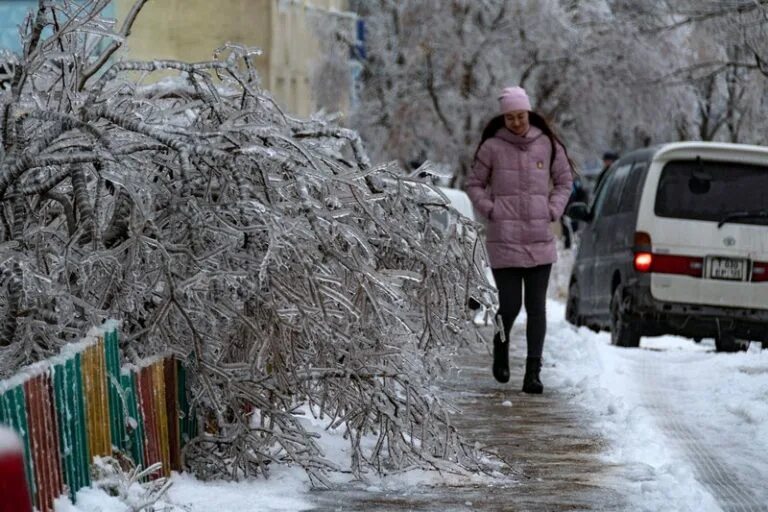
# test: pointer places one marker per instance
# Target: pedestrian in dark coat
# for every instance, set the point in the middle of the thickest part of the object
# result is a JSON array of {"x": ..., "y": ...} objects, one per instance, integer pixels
[{"x": 520, "y": 182}]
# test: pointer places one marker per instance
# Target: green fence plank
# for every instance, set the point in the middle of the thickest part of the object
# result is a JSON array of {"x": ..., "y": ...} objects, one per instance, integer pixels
[
  {"x": 187, "y": 420},
  {"x": 3, "y": 416},
  {"x": 78, "y": 397},
  {"x": 74, "y": 416},
  {"x": 67, "y": 428},
  {"x": 136, "y": 432},
  {"x": 116, "y": 406}
]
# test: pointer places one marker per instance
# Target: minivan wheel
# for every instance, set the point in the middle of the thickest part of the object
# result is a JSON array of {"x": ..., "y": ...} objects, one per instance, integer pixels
[
  {"x": 727, "y": 342},
  {"x": 572, "y": 306},
  {"x": 624, "y": 331}
]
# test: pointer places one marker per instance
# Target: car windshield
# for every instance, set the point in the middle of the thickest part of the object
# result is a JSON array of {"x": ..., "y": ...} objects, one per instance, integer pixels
[{"x": 711, "y": 191}]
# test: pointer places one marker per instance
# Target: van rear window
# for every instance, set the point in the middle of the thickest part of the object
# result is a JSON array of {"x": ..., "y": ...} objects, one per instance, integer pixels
[{"x": 711, "y": 191}]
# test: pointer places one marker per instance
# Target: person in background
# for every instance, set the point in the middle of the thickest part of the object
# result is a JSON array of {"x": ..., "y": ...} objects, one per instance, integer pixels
[
  {"x": 608, "y": 158},
  {"x": 520, "y": 182},
  {"x": 570, "y": 226}
]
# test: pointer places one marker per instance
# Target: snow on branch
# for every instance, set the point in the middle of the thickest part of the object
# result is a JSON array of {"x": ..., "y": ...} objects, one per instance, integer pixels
[{"x": 266, "y": 251}]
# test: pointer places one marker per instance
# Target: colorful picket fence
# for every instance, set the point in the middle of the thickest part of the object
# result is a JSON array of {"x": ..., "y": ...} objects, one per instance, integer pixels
[{"x": 85, "y": 403}]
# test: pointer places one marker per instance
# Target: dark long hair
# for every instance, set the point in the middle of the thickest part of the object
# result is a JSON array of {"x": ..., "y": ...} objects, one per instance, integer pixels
[{"x": 535, "y": 119}]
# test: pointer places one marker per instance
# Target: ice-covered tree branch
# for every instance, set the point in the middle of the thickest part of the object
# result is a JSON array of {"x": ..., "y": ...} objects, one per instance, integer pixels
[{"x": 268, "y": 252}]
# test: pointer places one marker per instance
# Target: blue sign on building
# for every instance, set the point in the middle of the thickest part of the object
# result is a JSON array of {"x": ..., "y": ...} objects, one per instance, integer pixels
[
  {"x": 12, "y": 14},
  {"x": 359, "y": 48}
]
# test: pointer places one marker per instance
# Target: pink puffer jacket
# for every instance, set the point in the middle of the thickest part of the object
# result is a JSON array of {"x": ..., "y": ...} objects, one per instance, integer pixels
[{"x": 511, "y": 184}]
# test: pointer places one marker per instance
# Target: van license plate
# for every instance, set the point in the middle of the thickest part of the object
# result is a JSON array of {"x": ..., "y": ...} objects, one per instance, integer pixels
[{"x": 730, "y": 269}]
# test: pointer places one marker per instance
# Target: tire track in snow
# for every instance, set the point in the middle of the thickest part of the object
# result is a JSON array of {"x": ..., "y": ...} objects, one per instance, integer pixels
[{"x": 710, "y": 469}]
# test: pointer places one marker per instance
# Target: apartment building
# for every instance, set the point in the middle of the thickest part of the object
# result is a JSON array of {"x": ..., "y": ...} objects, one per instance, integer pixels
[{"x": 191, "y": 29}]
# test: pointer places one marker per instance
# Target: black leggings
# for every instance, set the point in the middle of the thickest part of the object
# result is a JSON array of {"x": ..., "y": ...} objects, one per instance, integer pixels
[{"x": 509, "y": 281}]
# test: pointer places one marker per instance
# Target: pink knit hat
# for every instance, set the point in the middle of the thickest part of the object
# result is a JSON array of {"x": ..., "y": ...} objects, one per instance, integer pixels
[{"x": 514, "y": 98}]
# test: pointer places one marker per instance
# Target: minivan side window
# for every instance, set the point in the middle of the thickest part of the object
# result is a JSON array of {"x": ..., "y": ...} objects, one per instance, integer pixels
[
  {"x": 633, "y": 186},
  {"x": 599, "y": 196},
  {"x": 607, "y": 202}
]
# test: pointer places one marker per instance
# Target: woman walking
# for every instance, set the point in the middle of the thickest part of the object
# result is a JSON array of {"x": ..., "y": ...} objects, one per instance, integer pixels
[{"x": 520, "y": 181}]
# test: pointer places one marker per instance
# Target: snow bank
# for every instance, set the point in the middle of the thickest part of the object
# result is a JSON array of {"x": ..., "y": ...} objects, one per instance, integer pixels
[
  {"x": 283, "y": 492},
  {"x": 600, "y": 377},
  {"x": 337, "y": 448}
]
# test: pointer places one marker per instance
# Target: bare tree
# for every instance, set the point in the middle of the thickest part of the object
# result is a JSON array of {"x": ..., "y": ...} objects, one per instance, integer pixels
[
  {"x": 722, "y": 48},
  {"x": 266, "y": 251},
  {"x": 433, "y": 70},
  {"x": 614, "y": 74}
]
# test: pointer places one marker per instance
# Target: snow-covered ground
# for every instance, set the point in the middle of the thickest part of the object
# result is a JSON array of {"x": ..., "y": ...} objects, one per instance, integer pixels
[
  {"x": 287, "y": 489},
  {"x": 283, "y": 492},
  {"x": 690, "y": 422},
  {"x": 689, "y": 425}
]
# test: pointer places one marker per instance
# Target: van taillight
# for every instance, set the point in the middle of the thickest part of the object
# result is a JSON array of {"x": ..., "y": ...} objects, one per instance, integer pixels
[
  {"x": 643, "y": 261},
  {"x": 760, "y": 272},
  {"x": 668, "y": 264},
  {"x": 648, "y": 261}
]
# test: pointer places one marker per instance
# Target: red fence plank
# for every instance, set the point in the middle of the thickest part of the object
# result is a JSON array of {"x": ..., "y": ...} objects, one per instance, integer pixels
[
  {"x": 45, "y": 446},
  {"x": 13, "y": 480}
]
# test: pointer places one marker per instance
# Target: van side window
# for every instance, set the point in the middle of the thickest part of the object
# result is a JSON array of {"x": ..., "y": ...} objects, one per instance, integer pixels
[
  {"x": 600, "y": 187},
  {"x": 599, "y": 196},
  {"x": 633, "y": 188},
  {"x": 607, "y": 202}
]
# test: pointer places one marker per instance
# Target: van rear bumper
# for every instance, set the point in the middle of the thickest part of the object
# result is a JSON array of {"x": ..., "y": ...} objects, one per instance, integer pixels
[{"x": 696, "y": 320}]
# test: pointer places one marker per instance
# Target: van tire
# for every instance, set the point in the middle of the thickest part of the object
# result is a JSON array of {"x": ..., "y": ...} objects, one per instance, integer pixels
[
  {"x": 625, "y": 332},
  {"x": 727, "y": 342},
  {"x": 572, "y": 305}
]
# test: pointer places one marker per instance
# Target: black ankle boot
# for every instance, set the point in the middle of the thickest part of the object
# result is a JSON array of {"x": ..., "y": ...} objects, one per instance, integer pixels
[
  {"x": 501, "y": 360},
  {"x": 531, "y": 382}
]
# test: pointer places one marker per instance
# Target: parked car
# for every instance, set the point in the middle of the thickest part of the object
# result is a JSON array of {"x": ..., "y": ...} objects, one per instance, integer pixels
[
  {"x": 459, "y": 200},
  {"x": 676, "y": 242}
]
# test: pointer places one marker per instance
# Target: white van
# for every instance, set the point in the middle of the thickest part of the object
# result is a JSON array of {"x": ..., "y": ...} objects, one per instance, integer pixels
[
  {"x": 459, "y": 200},
  {"x": 676, "y": 242}
]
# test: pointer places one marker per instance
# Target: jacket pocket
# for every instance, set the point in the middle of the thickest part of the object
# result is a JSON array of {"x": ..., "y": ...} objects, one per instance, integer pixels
[{"x": 541, "y": 231}]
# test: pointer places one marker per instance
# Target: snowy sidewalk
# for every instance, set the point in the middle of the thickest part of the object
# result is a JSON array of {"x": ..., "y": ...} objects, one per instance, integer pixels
[{"x": 547, "y": 440}]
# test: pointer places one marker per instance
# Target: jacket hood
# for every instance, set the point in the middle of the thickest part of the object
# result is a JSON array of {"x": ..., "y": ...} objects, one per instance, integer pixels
[{"x": 506, "y": 135}]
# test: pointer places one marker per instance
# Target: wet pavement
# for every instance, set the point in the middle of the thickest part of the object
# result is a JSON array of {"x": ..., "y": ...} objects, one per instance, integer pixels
[{"x": 547, "y": 440}]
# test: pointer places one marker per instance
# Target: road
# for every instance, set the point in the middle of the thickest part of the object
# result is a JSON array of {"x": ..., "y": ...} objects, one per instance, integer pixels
[{"x": 726, "y": 462}]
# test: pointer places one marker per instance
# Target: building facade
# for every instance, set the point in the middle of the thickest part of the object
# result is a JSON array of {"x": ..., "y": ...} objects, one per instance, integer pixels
[{"x": 191, "y": 30}]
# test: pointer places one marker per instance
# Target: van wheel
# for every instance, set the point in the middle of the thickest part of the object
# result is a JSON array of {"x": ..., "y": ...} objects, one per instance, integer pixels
[
  {"x": 572, "y": 306},
  {"x": 625, "y": 332},
  {"x": 728, "y": 343}
]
